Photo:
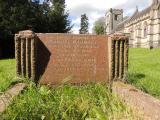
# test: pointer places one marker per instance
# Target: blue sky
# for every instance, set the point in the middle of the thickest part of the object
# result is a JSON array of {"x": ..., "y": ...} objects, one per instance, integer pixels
[{"x": 97, "y": 8}]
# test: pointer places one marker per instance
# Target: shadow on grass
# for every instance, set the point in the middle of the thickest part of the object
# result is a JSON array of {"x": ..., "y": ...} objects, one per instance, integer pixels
[{"x": 133, "y": 78}]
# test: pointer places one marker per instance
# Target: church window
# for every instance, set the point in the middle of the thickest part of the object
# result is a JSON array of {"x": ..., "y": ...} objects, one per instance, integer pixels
[
  {"x": 116, "y": 17},
  {"x": 131, "y": 33},
  {"x": 145, "y": 31},
  {"x": 137, "y": 31}
]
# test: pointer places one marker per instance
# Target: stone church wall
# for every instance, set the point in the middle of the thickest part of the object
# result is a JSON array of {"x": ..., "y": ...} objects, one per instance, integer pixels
[
  {"x": 139, "y": 32},
  {"x": 143, "y": 27}
]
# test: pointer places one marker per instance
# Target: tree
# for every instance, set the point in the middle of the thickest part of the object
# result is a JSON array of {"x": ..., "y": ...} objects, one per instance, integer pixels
[
  {"x": 84, "y": 24},
  {"x": 58, "y": 18},
  {"x": 17, "y": 15},
  {"x": 99, "y": 26}
]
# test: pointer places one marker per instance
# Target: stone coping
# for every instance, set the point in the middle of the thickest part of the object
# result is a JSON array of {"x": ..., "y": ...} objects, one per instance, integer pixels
[
  {"x": 7, "y": 97},
  {"x": 146, "y": 104}
]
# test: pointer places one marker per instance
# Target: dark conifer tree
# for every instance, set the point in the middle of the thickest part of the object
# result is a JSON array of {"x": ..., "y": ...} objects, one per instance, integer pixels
[
  {"x": 84, "y": 24},
  {"x": 58, "y": 17},
  {"x": 17, "y": 15}
]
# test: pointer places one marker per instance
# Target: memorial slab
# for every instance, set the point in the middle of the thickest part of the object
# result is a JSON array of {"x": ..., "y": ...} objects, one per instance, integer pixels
[
  {"x": 52, "y": 58},
  {"x": 80, "y": 58}
]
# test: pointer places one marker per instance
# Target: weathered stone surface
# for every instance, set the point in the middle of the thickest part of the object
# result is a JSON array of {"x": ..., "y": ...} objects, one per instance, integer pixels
[
  {"x": 25, "y": 54},
  {"x": 81, "y": 58},
  {"x": 146, "y": 104},
  {"x": 118, "y": 57},
  {"x": 51, "y": 58},
  {"x": 7, "y": 97},
  {"x": 18, "y": 55}
]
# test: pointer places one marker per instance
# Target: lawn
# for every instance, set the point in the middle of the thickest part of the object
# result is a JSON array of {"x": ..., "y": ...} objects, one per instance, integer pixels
[
  {"x": 93, "y": 101},
  {"x": 64, "y": 102},
  {"x": 7, "y": 73},
  {"x": 144, "y": 70}
]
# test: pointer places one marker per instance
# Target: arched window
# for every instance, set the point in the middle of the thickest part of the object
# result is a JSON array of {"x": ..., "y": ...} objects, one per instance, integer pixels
[
  {"x": 116, "y": 17},
  {"x": 137, "y": 32},
  {"x": 131, "y": 33},
  {"x": 145, "y": 33}
]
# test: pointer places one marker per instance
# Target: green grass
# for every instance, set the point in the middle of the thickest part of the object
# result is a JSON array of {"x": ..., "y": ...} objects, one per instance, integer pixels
[
  {"x": 88, "y": 102},
  {"x": 7, "y": 73},
  {"x": 66, "y": 102},
  {"x": 144, "y": 70}
]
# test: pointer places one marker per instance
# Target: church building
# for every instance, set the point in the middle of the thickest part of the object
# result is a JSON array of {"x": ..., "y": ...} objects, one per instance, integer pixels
[{"x": 143, "y": 27}]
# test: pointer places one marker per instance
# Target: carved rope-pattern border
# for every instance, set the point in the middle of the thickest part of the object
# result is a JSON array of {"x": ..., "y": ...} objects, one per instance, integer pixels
[
  {"x": 28, "y": 57},
  {"x": 33, "y": 58},
  {"x": 116, "y": 59},
  {"x": 120, "y": 60},
  {"x": 122, "y": 67},
  {"x": 120, "y": 47},
  {"x": 18, "y": 55},
  {"x": 25, "y": 54},
  {"x": 113, "y": 60},
  {"x": 126, "y": 47}
]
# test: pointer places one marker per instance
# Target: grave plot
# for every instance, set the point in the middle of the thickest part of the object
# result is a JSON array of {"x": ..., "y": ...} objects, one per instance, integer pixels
[{"x": 57, "y": 58}]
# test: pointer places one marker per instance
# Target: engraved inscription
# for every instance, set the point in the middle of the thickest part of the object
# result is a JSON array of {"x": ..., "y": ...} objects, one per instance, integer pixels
[
  {"x": 74, "y": 56},
  {"x": 84, "y": 57}
]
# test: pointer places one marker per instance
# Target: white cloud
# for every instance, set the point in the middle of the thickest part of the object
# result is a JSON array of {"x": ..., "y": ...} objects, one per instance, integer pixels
[
  {"x": 99, "y": 4},
  {"x": 76, "y": 23},
  {"x": 97, "y": 8}
]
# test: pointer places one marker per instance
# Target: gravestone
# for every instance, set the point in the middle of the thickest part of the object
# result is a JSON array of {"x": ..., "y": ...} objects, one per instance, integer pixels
[
  {"x": 54, "y": 58},
  {"x": 82, "y": 58}
]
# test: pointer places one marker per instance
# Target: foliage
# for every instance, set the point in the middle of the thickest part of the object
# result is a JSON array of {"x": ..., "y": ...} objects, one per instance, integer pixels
[
  {"x": 66, "y": 102},
  {"x": 23, "y": 15},
  {"x": 84, "y": 24},
  {"x": 144, "y": 70},
  {"x": 12, "y": 18},
  {"x": 17, "y": 15},
  {"x": 58, "y": 18},
  {"x": 99, "y": 26}
]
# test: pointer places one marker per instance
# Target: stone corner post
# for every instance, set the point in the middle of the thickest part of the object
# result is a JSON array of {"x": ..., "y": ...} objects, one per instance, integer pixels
[
  {"x": 25, "y": 54},
  {"x": 118, "y": 57}
]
